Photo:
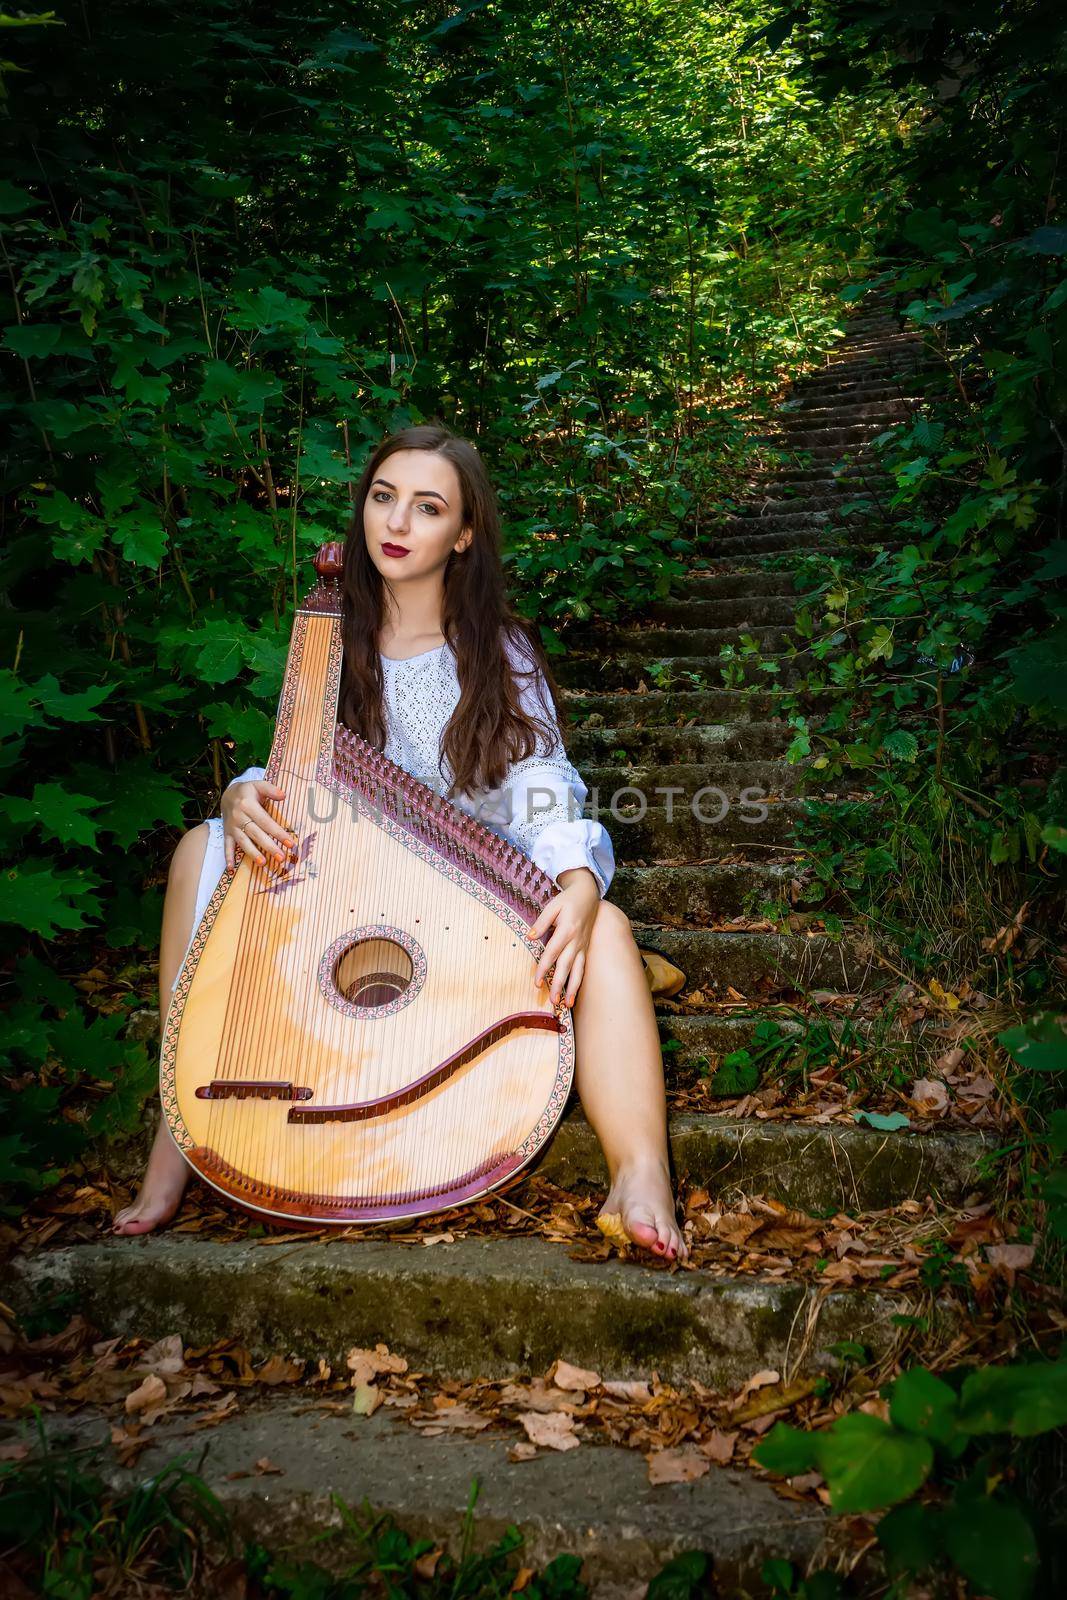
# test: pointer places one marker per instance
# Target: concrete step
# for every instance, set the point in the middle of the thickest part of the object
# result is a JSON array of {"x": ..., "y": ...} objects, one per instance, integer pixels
[
  {"x": 740, "y": 584},
  {"x": 626, "y": 671},
  {"x": 749, "y": 823},
  {"x": 708, "y": 741},
  {"x": 805, "y": 435},
  {"x": 817, "y": 1169},
  {"x": 742, "y": 612},
  {"x": 765, "y": 517},
  {"x": 478, "y": 1307},
  {"x": 663, "y": 708},
  {"x": 654, "y": 643},
  {"x": 802, "y": 409},
  {"x": 756, "y": 964},
  {"x": 594, "y": 1502},
  {"x": 692, "y": 893},
  {"x": 732, "y": 776}
]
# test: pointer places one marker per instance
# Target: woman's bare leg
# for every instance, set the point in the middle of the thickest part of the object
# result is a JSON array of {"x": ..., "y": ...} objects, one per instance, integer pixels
[
  {"x": 167, "y": 1171},
  {"x": 619, "y": 1074}
]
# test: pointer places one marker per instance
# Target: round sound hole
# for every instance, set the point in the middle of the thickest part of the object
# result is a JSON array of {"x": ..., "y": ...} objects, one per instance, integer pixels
[{"x": 374, "y": 972}]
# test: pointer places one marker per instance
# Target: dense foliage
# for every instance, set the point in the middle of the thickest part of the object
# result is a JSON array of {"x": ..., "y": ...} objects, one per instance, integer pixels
[
  {"x": 945, "y": 656},
  {"x": 240, "y": 243}
]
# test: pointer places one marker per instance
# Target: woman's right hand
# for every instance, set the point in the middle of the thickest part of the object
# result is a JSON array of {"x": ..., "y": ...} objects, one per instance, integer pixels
[{"x": 247, "y": 822}]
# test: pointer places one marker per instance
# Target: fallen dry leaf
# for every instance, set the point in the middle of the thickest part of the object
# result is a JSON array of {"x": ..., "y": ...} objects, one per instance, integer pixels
[
  {"x": 718, "y": 1446},
  {"x": 148, "y": 1395},
  {"x": 929, "y": 1096},
  {"x": 521, "y": 1450},
  {"x": 611, "y": 1226},
  {"x": 564, "y": 1376},
  {"x": 454, "y": 1419},
  {"x": 164, "y": 1357},
  {"x": 279, "y": 1369},
  {"x": 266, "y": 1467},
  {"x": 1010, "y": 1258},
  {"x": 554, "y": 1430},
  {"x": 365, "y": 1365},
  {"x": 677, "y": 1466},
  {"x": 633, "y": 1389}
]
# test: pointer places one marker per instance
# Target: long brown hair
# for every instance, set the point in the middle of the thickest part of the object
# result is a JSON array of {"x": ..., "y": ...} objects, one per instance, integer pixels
[{"x": 488, "y": 728}]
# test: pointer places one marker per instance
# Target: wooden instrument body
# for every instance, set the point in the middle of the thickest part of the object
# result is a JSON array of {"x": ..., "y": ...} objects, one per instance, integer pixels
[{"x": 356, "y": 1035}]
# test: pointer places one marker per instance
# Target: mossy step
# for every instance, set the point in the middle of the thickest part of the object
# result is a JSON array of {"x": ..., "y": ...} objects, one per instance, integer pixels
[
  {"x": 627, "y": 669},
  {"x": 665, "y": 640},
  {"x": 710, "y": 890},
  {"x": 737, "y": 585},
  {"x": 817, "y": 1169},
  {"x": 478, "y": 1307},
  {"x": 884, "y": 410},
  {"x": 709, "y": 741},
  {"x": 748, "y": 962},
  {"x": 594, "y": 1502},
  {"x": 742, "y": 612},
  {"x": 658, "y": 708},
  {"x": 730, "y": 774},
  {"x": 680, "y": 835}
]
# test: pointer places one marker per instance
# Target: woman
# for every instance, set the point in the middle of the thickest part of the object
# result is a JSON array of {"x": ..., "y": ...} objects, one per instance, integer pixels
[{"x": 441, "y": 674}]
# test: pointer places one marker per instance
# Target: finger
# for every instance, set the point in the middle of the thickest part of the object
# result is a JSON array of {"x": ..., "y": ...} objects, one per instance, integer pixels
[
  {"x": 269, "y": 826},
  {"x": 264, "y": 837},
  {"x": 577, "y": 974},
  {"x": 559, "y": 942},
  {"x": 249, "y": 845},
  {"x": 559, "y": 977},
  {"x": 545, "y": 917},
  {"x": 548, "y": 956},
  {"x": 228, "y": 842}
]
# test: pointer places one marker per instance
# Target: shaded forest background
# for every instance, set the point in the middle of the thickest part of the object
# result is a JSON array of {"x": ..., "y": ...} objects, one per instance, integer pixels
[{"x": 239, "y": 244}]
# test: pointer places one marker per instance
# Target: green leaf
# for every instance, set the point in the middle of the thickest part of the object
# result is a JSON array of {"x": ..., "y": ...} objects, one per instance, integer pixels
[
  {"x": 135, "y": 1081},
  {"x": 77, "y": 706},
  {"x": 17, "y": 704},
  {"x": 901, "y": 745},
  {"x": 884, "y": 1121},
  {"x": 1039, "y": 1046},
  {"x": 37, "y": 895},
  {"x": 140, "y": 798},
  {"x": 993, "y": 1545},
  {"x": 911, "y": 1536},
  {"x": 33, "y": 338},
  {"x": 142, "y": 538},
  {"x": 684, "y": 1575},
  {"x": 1021, "y": 1400},
  {"x": 89, "y": 1043},
  {"x": 54, "y": 809},
  {"x": 923, "y": 1404},
  {"x": 868, "y": 1464},
  {"x": 787, "y": 1450}
]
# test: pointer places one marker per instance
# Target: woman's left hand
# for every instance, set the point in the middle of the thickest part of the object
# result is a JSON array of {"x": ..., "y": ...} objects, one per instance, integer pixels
[{"x": 571, "y": 915}]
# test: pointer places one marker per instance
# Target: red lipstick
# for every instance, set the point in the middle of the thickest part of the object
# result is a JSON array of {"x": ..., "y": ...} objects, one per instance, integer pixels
[{"x": 394, "y": 550}]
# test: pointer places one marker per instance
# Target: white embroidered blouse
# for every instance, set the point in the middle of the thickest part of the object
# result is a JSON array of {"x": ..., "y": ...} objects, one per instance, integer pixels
[{"x": 539, "y": 804}]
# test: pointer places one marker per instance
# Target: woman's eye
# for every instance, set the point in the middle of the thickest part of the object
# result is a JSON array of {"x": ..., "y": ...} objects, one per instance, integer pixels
[{"x": 427, "y": 505}]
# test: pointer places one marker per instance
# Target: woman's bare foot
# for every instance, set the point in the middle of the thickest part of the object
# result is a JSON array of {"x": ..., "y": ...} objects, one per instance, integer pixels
[
  {"x": 161, "y": 1190},
  {"x": 642, "y": 1196}
]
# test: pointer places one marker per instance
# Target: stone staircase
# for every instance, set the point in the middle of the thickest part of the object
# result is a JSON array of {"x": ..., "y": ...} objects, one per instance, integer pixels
[{"x": 489, "y": 1306}]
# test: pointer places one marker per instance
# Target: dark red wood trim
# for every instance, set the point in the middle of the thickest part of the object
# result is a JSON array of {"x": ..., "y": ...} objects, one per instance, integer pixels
[{"x": 362, "y": 1110}]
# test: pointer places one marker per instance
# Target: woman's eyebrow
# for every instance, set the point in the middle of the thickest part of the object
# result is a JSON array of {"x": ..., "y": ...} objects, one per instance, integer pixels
[{"x": 419, "y": 493}]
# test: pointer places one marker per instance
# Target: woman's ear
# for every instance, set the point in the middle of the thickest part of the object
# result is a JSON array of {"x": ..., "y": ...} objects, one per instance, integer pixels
[{"x": 464, "y": 540}]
